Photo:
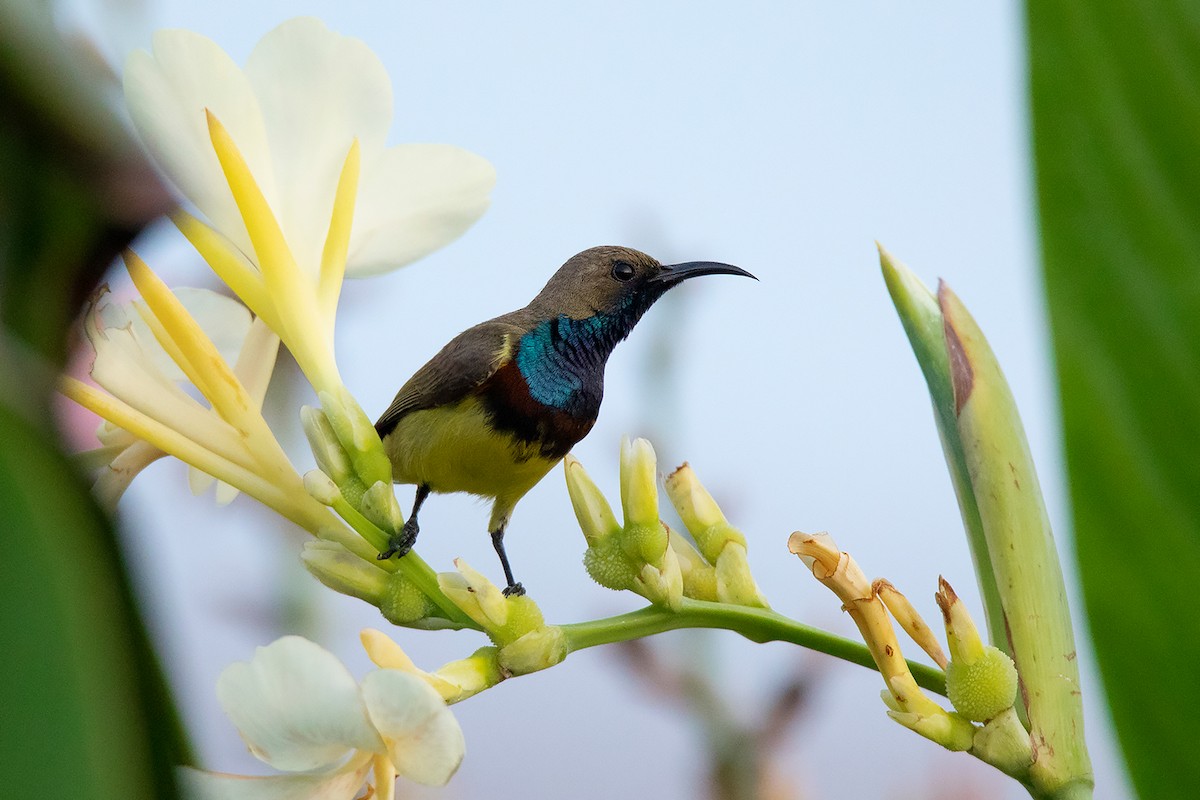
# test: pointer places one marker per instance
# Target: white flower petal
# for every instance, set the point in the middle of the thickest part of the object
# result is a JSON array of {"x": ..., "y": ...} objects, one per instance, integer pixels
[
  {"x": 256, "y": 363},
  {"x": 412, "y": 200},
  {"x": 199, "y": 481},
  {"x": 114, "y": 436},
  {"x": 222, "y": 318},
  {"x": 318, "y": 91},
  {"x": 339, "y": 784},
  {"x": 115, "y": 478},
  {"x": 297, "y": 706},
  {"x": 425, "y": 742},
  {"x": 226, "y": 493},
  {"x": 167, "y": 93}
]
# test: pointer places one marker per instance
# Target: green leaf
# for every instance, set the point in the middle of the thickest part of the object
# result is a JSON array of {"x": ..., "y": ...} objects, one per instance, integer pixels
[{"x": 1116, "y": 111}]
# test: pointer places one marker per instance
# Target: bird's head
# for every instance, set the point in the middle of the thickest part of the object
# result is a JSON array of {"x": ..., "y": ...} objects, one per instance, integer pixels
[{"x": 607, "y": 280}]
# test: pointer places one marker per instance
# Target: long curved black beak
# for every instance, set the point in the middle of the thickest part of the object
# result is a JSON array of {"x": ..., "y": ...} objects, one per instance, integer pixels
[{"x": 674, "y": 274}]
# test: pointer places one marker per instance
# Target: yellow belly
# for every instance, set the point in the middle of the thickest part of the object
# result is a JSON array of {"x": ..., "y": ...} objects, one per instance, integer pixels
[{"x": 453, "y": 449}]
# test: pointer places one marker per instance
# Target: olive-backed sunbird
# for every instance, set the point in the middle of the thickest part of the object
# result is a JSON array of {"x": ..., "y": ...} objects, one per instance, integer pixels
[{"x": 504, "y": 401}]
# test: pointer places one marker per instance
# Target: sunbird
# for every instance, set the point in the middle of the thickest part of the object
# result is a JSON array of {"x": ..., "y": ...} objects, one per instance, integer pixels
[{"x": 506, "y": 400}]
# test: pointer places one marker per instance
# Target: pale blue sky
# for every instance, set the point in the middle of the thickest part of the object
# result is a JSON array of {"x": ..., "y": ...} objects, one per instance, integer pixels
[{"x": 785, "y": 138}]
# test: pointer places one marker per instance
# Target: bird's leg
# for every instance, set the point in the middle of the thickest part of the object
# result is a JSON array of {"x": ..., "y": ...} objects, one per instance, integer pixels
[
  {"x": 402, "y": 542},
  {"x": 513, "y": 588}
]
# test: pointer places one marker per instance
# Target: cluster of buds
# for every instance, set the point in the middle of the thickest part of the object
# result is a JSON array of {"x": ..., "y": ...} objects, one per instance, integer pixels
[
  {"x": 645, "y": 555},
  {"x": 981, "y": 680},
  {"x": 353, "y": 475}
]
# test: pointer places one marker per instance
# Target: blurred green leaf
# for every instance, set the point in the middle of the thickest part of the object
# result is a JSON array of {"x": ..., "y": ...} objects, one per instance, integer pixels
[
  {"x": 85, "y": 710},
  {"x": 1116, "y": 113}
]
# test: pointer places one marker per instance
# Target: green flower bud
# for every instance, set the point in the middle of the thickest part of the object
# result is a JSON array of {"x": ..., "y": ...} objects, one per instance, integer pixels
[
  {"x": 340, "y": 570},
  {"x": 478, "y": 597},
  {"x": 982, "y": 689},
  {"x": 356, "y": 433},
  {"x": 644, "y": 536},
  {"x": 403, "y": 603},
  {"x": 327, "y": 450},
  {"x": 700, "y": 513},
  {"x": 523, "y": 616},
  {"x": 662, "y": 585},
  {"x": 535, "y": 650},
  {"x": 504, "y": 619},
  {"x": 608, "y": 565},
  {"x": 950, "y": 730},
  {"x": 595, "y": 516},
  {"x": 699, "y": 577},
  {"x": 380, "y": 507},
  {"x": 735, "y": 584}
]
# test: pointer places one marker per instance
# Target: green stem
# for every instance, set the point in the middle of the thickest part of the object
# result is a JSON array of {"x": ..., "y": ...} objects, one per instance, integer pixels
[
  {"x": 756, "y": 624},
  {"x": 411, "y": 565}
]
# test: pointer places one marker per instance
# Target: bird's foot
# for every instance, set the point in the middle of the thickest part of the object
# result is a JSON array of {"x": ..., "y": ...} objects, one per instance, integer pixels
[
  {"x": 514, "y": 590},
  {"x": 399, "y": 544}
]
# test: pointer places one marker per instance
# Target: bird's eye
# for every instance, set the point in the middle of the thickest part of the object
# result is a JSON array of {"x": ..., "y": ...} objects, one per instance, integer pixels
[{"x": 622, "y": 270}]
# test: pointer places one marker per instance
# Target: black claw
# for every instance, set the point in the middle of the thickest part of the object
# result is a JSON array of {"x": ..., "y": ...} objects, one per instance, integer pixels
[
  {"x": 514, "y": 590},
  {"x": 402, "y": 542}
]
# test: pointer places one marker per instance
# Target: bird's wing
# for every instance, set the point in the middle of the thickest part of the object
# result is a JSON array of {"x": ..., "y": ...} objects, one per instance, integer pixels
[{"x": 466, "y": 362}]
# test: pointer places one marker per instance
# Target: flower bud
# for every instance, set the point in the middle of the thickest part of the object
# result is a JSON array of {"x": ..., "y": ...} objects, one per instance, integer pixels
[
  {"x": 402, "y": 603},
  {"x": 699, "y": 577},
  {"x": 455, "y": 681},
  {"x": 608, "y": 565},
  {"x": 735, "y": 584},
  {"x": 981, "y": 680},
  {"x": 966, "y": 646},
  {"x": 340, "y": 570},
  {"x": 661, "y": 585},
  {"x": 380, "y": 507},
  {"x": 984, "y": 688},
  {"x": 504, "y": 619},
  {"x": 909, "y": 706},
  {"x": 644, "y": 537},
  {"x": 535, "y": 650},
  {"x": 591, "y": 509},
  {"x": 321, "y": 487},
  {"x": 323, "y": 442},
  {"x": 478, "y": 597},
  {"x": 357, "y": 435},
  {"x": 469, "y": 676},
  {"x": 700, "y": 513}
]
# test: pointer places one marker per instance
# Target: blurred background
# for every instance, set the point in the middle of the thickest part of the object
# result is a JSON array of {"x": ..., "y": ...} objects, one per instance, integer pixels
[{"x": 783, "y": 138}]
